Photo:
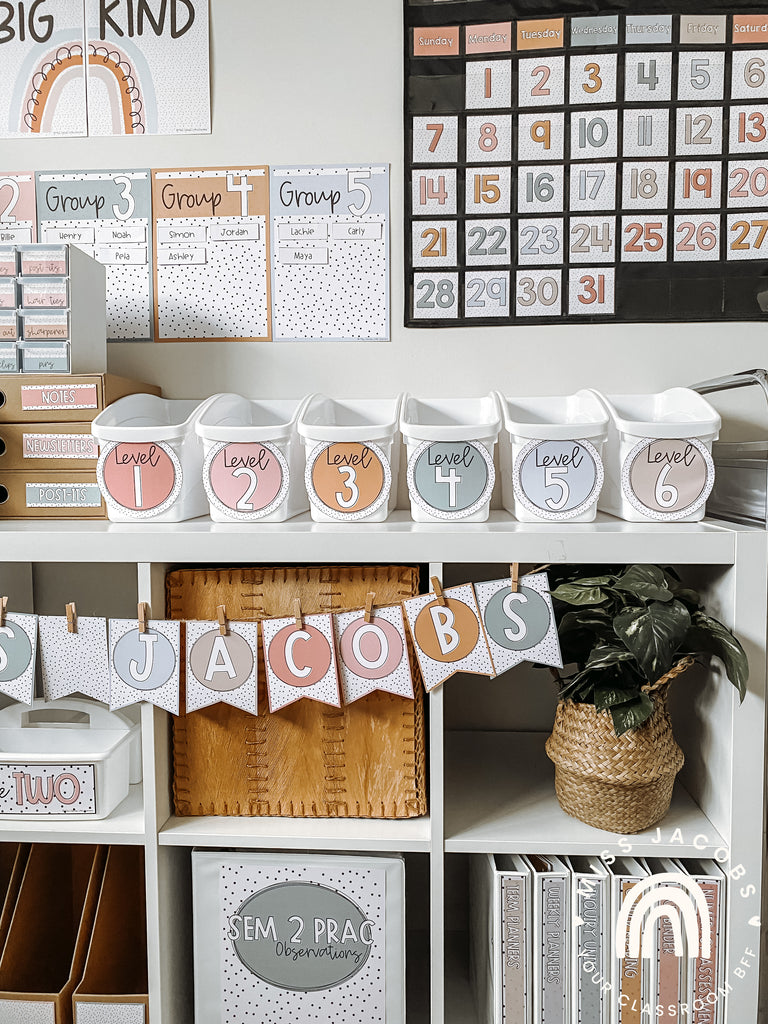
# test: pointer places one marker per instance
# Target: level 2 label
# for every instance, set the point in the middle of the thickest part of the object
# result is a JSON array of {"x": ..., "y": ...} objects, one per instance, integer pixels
[
  {"x": 246, "y": 480},
  {"x": 35, "y": 789}
]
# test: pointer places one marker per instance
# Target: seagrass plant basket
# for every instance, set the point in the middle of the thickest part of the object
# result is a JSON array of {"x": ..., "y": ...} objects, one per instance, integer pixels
[{"x": 617, "y": 783}]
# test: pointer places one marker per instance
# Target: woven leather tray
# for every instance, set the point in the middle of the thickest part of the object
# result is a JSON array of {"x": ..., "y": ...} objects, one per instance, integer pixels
[{"x": 365, "y": 760}]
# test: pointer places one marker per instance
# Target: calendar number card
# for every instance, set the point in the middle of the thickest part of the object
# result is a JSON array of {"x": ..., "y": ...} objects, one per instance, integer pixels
[{"x": 580, "y": 167}]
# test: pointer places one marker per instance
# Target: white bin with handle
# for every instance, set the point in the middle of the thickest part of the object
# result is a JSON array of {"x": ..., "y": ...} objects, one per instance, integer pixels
[
  {"x": 450, "y": 444},
  {"x": 254, "y": 459},
  {"x": 151, "y": 460},
  {"x": 658, "y": 456},
  {"x": 353, "y": 457},
  {"x": 550, "y": 455},
  {"x": 67, "y": 758}
]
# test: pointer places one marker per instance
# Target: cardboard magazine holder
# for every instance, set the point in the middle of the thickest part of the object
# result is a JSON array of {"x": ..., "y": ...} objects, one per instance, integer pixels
[
  {"x": 115, "y": 983},
  {"x": 45, "y": 951},
  {"x": 13, "y": 861}
]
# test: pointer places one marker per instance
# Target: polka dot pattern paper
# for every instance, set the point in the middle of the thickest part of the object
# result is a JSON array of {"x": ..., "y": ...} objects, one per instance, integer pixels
[
  {"x": 398, "y": 679},
  {"x": 26, "y": 1011},
  {"x": 74, "y": 662},
  {"x": 293, "y": 657},
  {"x": 109, "y": 1013},
  {"x": 244, "y": 696},
  {"x": 17, "y": 679},
  {"x": 546, "y": 651},
  {"x": 122, "y": 691}
]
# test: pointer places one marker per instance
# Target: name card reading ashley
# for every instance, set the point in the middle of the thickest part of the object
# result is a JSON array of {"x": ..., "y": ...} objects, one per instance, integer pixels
[
  {"x": 212, "y": 254},
  {"x": 336, "y": 290}
]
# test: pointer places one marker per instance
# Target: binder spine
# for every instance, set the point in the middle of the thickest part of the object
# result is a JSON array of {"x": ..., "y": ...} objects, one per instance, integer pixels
[
  {"x": 555, "y": 921},
  {"x": 590, "y": 960},
  {"x": 516, "y": 963}
]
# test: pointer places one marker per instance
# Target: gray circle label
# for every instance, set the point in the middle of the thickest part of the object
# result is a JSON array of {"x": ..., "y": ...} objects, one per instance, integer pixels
[
  {"x": 144, "y": 660},
  {"x": 558, "y": 476},
  {"x": 301, "y": 936},
  {"x": 451, "y": 475},
  {"x": 517, "y": 621},
  {"x": 15, "y": 652}
]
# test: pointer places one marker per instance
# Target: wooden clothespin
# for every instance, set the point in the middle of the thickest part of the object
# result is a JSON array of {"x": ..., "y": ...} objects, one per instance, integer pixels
[
  {"x": 540, "y": 568},
  {"x": 144, "y": 613},
  {"x": 438, "y": 591},
  {"x": 221, "y": 614},
  {"x": 514, "y": 577},
  {"x": 369, "y": 599},
  {"x": 3, "y": 609},
  {"x": 297, "y": 613},
  {"x": 71, "y": 617}
]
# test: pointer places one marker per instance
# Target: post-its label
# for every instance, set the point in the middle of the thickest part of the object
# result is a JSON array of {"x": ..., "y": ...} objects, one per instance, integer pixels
[
  {"x": 63, "y": 495},
  {"x": 749, "y": 27},
  {"x": 59, "y": 396},
  {"x": 548, "y": 34},
  {"x": 436, "y": 42},
  {"x": 709, "y": 29},
  {"x": 493, "y": 38}
]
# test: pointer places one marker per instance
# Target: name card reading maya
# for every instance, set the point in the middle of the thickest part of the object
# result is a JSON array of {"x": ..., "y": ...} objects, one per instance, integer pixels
[
  {"x": 348, "y": 480},
  {"x": 246, "y": 481},
  {"x": 141, "y": 479},
  {"x": 668, "y": 479}
]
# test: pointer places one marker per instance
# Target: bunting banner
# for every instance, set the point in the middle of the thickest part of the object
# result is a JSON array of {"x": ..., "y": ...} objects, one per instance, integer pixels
[
  {"x": 144, "y": 666},
  {"x": 519, "y": 624},
  {"x": 300, "y": 660},
  {"x": 74, "y": 662},
  {"x": 373, "y": 655},
  {"x": 18, "y": 654},
  {"x": 222, "y": 667}
]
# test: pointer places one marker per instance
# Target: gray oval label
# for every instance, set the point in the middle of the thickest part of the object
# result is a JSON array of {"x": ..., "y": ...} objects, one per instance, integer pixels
[{"x": 301, "y": 936}]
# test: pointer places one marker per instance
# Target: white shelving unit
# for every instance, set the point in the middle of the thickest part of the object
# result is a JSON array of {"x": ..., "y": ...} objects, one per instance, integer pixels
[{"x": 491, "y": 786}]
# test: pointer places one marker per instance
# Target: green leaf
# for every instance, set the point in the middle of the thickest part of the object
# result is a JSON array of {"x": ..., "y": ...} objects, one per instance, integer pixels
[
  {"x": 579, "y": 594},
  {"x": 647, "y": 582},
  {"x": 595, "y": 619},
  {"x": 653, "y": 635},
  {"x": 632, "y": 714},
  {"x": 708, "y": 636},
  {"x": 688, "y": 596},
  {"x": 608, "y": 696},
  {"x": 602, "y": 657}
]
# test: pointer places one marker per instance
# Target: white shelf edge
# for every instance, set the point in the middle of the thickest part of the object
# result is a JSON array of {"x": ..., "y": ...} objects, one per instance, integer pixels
[{"x": 124, "y": 827}]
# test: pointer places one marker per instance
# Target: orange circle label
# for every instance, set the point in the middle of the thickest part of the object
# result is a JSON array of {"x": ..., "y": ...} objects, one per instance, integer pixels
[
  {"x": 447, "y": 632},
  {"x": 348, "y": 476}
]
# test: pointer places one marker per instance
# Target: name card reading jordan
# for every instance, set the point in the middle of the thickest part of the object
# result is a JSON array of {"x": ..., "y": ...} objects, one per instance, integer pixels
[
  {"x": 330, "y": 261},
  {"x": 210, "y": 227}
]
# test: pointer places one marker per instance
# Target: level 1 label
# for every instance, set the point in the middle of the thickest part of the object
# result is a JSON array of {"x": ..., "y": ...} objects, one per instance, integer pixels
[{"x": 142, "y": 479}]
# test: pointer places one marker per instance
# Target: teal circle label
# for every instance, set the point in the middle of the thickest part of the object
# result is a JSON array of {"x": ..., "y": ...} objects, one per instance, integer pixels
[
  {"x": 144, "y": 660},
  {"x": 15, "y": 652},
  {"x": 452, "y": 477},
  {"x": 517, "y": 621}
]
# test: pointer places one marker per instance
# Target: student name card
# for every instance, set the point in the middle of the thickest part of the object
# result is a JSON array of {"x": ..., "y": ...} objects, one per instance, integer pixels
[
  {"x": 222, "y": 668},
  {"x": 448, "y": 637},
  {"x": 144, "y": 666},
  {"x": 373, "y": 655},
  {"x": 520, "y": 625},
  {"x": 74, "y": 662},
  {"x": 18, "y": 220},
  {"x": 148, "y": 67},
  {"x": 107, "y": 214},
  {"x": 18, "y": 651},
  {"x": 330, "y": 253},
  {"x": 300, "y": 660},
  {"x": 42, "y": 70},
  {"x": 211, "y": 254}
]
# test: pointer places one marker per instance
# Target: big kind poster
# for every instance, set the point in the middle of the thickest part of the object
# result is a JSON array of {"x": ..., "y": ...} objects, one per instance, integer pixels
[{"x": 580, "y": 162}]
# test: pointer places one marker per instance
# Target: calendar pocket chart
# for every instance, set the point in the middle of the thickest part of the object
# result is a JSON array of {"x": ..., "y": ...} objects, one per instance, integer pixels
[
  {"x": 581, "y": 167},
  {"x": 107, "y": 214},
  {"x": 330, "y": 252},
  {"x": 211, "y": 236}
]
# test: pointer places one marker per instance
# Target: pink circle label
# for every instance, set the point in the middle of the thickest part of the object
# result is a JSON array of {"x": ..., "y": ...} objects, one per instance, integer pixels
[
  {"x": 300, "y": 656},
  {"x": 246, "y": 477},
  {"x": 139, "y": 476},
  {"x": 372, "y": 650}
]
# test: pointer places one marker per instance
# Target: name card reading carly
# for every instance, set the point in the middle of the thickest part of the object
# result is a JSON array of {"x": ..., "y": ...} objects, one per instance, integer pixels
[
  {"x": 18, "y": 650},
  {"x": 211, "y": 273},
  {"x": 74, "y": 662},
  {"x": 144, "y": 666},
  {"x": 18, "y": 221},
  {"x": 448, "y": 637},
  {"x": 222, "y": 669},
  {"x": 520, "y": 625},
  {"x": 668, "y": 479},
  {"x": 373, "y": 655},
  {"x": 139, "y": 479},
  {"x": 348, "y": 480},
  {"x": 108, "y": 214},
  {"x": 300, "y": 661},
  {"x": 246, "y": 480},
  {"x": 42, "y": 789},
  {"x": 337, "y": 290},
  {"x": 558, "y": 480}
]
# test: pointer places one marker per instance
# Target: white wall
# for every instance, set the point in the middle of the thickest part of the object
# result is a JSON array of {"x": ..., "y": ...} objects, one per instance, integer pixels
[{"x": 320, "y": 81}]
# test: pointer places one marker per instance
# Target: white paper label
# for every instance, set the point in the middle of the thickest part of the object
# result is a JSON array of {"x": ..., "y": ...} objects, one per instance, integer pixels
[
  {"x": 307, "y": 232},
  {"x": 111, "y": 255},
  {"x": 174, "y": 257},
  {"x": 233, "y": 233},
  {"x": 73, "y": 235},
  {"x": 43, "y": 789},
  {"x": 183, "y": 233},
  {"x": 355, "y": 231},
  {"x": 16, "y": 236},
  {"x": 307, "y": 254},
  {"x": 123, "y": 233}
]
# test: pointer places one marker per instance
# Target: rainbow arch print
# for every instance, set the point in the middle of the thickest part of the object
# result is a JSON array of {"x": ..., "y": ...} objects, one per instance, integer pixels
[{"x": 675, "y": 896}]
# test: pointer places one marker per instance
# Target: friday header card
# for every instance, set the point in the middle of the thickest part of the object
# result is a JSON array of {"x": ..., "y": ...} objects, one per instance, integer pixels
[
  {"x": 330, "y": 253},
  {"x": 211, "y": 237},
  {"x": 577, "y": 167}
]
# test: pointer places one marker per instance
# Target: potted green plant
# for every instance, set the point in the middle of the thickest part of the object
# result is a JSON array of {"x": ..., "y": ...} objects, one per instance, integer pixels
[{"x": 628, "y": 631}]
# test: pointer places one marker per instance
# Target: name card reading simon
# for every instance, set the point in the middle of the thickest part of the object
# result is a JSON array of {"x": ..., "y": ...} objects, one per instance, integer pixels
[{"x": 211, "y": 273}]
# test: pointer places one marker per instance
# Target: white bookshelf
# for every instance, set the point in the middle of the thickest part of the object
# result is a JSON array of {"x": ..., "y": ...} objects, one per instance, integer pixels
[{"x": 491, "y": 786}]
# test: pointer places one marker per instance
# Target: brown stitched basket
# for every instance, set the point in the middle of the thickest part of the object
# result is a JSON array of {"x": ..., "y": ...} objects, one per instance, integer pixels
[
  {"x": 365, "y": 760},
  {"x": 617, "y": 783}
]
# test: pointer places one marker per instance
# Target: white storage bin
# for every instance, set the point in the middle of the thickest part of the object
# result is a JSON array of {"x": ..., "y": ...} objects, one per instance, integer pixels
[
  {"x": 151, "y": 461},
  {"x": 298, "y": 937},
  {"x": 550, "y": 455},
  {"x": 254, "y": 459},
  {"x": 658, "y": 456},
  {"x": 353, "y": 457},
  {"x": 68, "y": 758},
  {"x": 450, "y": 443}
]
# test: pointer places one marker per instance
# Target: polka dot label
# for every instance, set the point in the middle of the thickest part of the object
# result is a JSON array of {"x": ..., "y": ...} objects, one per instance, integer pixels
[
  {"x": 348, "y": 480},
  {"x": 109, "y": 1013},
  {"x": 139, "y": 480},
  {"x": 300, "y": 661},
  {"x": 246, "y": 481},
  {"x": 18, "y": 647},
  {"x": 374, "y": 655},
  {"x": 144, "y": 666},
  {"x": 222, "y": 669},
  {"x": 74, "y": 662},
  {"x": 519, "y": 626},
  {"x": 668, "y": 479},
  {"x": 47, "y": 789}
]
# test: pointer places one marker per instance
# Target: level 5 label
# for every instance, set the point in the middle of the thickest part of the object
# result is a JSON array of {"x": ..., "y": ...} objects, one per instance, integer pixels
[{"x": 558, "y": 480}]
